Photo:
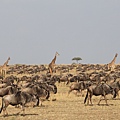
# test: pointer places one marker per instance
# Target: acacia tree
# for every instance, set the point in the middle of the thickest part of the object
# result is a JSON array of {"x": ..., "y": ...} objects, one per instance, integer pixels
[{"x": 77, "y": 59}]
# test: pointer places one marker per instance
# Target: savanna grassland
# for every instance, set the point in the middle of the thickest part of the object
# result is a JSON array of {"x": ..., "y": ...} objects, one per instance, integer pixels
[{"x": 66, "y": 107}]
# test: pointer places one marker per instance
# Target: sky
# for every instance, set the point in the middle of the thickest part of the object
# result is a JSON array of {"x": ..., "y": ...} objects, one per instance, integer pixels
[{"x": 31, "y": 31}]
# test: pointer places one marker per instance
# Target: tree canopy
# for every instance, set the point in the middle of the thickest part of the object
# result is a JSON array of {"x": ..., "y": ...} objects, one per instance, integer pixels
[{"x": 77, "y": 59}]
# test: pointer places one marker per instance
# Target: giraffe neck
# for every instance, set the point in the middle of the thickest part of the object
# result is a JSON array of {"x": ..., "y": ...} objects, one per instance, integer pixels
[
  {"x": 5, "y": 64},
  {"x": 113, "y": 61},
  {"x": 54, "y": 59}
]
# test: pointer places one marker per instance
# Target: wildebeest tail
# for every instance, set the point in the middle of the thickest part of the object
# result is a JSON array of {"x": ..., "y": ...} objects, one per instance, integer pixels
[
  {"x": 86, "y": 97},
  {"x": 1, "y": 106}
]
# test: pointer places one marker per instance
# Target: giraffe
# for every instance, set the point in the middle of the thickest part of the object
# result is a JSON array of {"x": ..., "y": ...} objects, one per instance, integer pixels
[
  {"x": 52, "y": 63},
  {"x": 3, "y": 68},
  {"x": 111, "y": 65}
]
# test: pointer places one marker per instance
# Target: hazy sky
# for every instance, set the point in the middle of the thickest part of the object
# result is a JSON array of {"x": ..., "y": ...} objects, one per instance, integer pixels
[{"x": 31, "y": 31}]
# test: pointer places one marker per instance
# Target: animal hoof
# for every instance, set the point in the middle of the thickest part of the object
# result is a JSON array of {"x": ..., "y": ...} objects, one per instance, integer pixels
[
  {"x": 4, "y": 115},
  {"x": 17, "y": 113},
  {"x": 23, "y": 115},
  {"x": 91, "y": 104},
  {"x": 54, "y": 99},
  {"x": 35, "y": 105}
]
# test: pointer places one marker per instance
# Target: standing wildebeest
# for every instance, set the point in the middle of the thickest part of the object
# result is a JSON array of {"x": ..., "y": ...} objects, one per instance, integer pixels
[
  {"x": 15, "y": 99},
  {"x": 37, "y": 90},
  {"x": 51, "y": 88},
  {"x": 102, "y": 89},
  {"x": 116, "y": 86}
]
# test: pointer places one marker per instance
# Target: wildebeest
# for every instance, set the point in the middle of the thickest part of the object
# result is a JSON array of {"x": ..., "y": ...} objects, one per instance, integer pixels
[
  {"x": 38, "y": 91},
  {"x": 73, "y": 79},
  {"x": 8, "y": 81},
  {"x": 65, "y": 78},
  {"x": 7, "y": 90},
  {"x": 102, "y": 89},
  {"x": 116, "y": 86},
  {"x": 15, "y": 99},
  {"x": 79, "y": 86},
  {"x": 52, "y": 88}
]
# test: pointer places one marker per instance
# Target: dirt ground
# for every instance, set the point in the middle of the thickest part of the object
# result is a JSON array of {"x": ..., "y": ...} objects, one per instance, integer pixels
[{"x": 68, "y": 108}]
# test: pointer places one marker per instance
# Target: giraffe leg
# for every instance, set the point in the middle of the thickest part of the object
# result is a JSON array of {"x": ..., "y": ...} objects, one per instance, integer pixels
[
  {"x": 50, "y": 70},
  {"x": 3, "y": 73}
]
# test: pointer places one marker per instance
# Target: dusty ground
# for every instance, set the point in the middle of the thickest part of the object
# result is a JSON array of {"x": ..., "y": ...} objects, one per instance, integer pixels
[{"x": 68, "y": 108}]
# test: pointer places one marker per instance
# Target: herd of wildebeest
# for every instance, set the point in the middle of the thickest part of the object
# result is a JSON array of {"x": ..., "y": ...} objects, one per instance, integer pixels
[{"x": 34, "y": 83}]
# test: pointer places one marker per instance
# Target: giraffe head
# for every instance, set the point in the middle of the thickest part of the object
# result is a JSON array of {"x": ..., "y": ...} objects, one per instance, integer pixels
[
  {"x": 116, "y": 55},
  {"x": 9, "y": 58},
  {"x": 57, "y": 54}
]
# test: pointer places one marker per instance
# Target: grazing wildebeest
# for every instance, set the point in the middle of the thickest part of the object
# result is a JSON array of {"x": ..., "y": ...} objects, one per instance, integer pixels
[
  {"x": 102, "y": 89},
  {"x": 15, "y": 99}
]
